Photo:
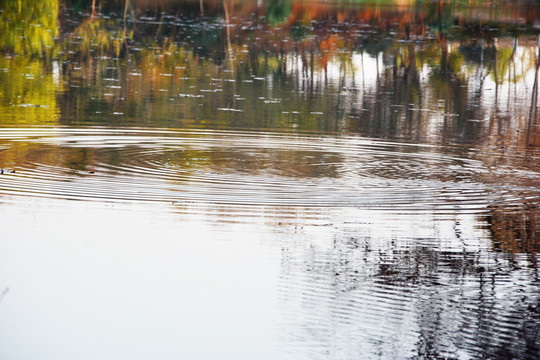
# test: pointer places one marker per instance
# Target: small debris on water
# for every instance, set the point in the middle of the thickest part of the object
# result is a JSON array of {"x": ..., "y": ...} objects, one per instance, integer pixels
[
  {"x": 6, "y": 290},
  {"x": 230, "y": 109},
  {"x": 190, "y": 95}
]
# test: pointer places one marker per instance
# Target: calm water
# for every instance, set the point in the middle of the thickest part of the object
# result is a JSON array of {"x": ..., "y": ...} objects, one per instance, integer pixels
[{"x": 269, "y": 180}]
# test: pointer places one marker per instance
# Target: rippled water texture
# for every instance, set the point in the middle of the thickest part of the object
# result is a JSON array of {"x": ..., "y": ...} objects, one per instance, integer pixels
[
  {"x": 261, "y": 168},
  {"x": 269, "y": 180}
]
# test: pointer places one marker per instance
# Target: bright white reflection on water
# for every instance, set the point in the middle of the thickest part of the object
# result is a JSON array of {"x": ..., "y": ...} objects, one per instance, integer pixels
[
  {"x": 133, "y": 282},
  {"x": 200, "y": 281}
]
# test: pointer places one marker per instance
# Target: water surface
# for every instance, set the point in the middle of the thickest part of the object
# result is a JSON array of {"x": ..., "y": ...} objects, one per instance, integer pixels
[{"x": 269, "y": 180}]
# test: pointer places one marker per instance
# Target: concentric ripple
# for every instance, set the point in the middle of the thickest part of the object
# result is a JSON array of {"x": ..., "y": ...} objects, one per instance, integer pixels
[{"x": 250, "y": 168}]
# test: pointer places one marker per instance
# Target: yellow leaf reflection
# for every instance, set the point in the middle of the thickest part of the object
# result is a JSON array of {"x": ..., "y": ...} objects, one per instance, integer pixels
[
  {"x": 28, "y": 91},
  {"x": 28, "y": 27}
]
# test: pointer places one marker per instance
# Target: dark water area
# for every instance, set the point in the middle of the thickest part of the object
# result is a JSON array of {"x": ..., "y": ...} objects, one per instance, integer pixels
[{"x": 269, "y": 180}]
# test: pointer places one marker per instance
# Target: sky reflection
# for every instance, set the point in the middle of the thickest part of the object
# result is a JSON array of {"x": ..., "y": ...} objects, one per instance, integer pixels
[{"x": 142, "y": 280}]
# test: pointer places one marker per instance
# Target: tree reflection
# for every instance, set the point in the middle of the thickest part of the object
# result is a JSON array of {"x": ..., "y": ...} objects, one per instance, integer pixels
[
  {"x": 431, "y": 77},
  {"x": 437, "y": 72},
  {"x": 278, "y": 11},
  {"x": 28, "y": 90},
  {"x": 460, "y": 297},
  {"x": 380, "y": 71},
  {"x": 29, "y": 27}
]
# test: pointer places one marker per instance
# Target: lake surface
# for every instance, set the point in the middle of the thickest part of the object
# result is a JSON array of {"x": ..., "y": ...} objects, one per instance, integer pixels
[{"x": 269, "y": 180}]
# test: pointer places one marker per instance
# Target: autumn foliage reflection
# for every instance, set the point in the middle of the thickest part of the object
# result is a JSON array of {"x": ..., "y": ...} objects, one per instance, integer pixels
[{"x": 431, "y": 72}]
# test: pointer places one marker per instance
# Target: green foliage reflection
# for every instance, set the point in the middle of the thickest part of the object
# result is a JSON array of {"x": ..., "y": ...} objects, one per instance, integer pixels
[
  {"x": 28, "y": 26},
  {"x": 93, "y": 37},
  {"x": 278, "y": 11},
  {"x": 27, "y": 91}
]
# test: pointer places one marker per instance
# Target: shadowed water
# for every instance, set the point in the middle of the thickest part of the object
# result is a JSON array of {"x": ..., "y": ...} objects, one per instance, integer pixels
[{"x": 271, "y": 180}]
